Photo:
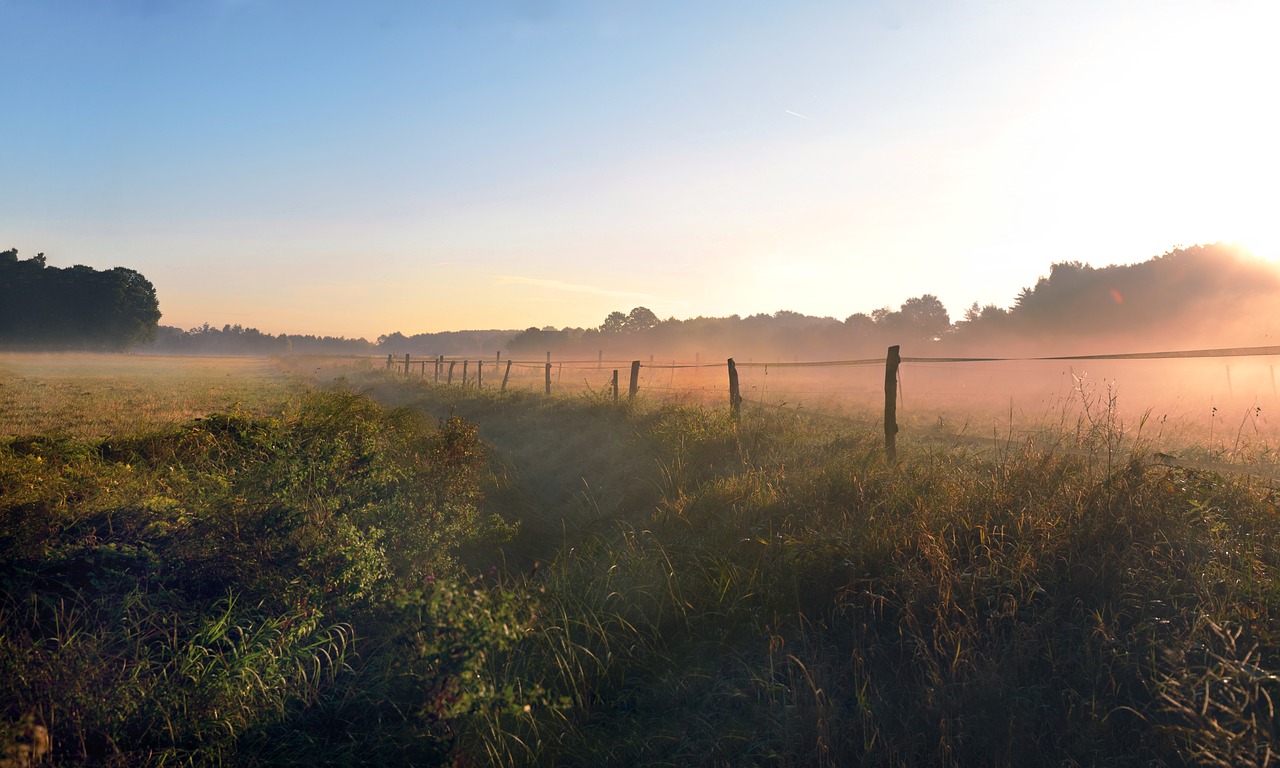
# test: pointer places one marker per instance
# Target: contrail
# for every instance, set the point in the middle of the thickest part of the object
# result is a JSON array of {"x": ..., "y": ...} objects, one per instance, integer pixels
[{"x": 797, "y": 114}]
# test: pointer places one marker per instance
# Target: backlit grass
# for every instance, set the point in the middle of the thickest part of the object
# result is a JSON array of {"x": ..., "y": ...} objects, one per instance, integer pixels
[
  {"x": 791, "y": 598},
  {"x": 481, "y": 578}
]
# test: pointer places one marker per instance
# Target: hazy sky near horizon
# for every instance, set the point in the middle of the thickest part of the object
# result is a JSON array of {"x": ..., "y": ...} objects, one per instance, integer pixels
[{"x": 312, "y": 166}]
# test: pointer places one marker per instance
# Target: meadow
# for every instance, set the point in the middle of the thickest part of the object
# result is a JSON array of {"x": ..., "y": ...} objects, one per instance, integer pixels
[
  {"x": 94, "y": 395},
  {"x": 376, "y": 569}
]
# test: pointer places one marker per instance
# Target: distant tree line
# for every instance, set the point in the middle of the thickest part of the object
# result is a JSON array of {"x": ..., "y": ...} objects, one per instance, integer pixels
[
  {"x": 784, "y": 334},
  {"x": 1205, "y": 295},
  {"x": 452, "y": 343},
  {"x": 52, "y": 308},
  {"x": 238, "y": 340},
  {"x": 207, "y": 339}
]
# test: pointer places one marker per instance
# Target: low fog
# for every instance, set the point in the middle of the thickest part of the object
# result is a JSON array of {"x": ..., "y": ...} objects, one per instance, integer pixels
[{"x": 1214, "y": 297}]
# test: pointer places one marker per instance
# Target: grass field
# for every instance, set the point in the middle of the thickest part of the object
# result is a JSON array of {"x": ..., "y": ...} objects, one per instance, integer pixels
[
  {"x": 88, "y": 395},
  {"x": 773, "y": 592},
  {"x": 469, "y": 577}
]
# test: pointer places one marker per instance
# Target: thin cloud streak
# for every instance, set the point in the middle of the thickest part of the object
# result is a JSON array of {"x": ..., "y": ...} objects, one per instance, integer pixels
[
  {"x": 560, "y": 285},
  {"x": 797, "y": 114}
]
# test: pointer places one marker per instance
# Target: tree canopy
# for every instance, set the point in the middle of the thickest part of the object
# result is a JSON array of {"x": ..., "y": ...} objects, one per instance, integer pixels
[
  {"x": 638, "y": 319},
  {"x": 43, "y": 307}
]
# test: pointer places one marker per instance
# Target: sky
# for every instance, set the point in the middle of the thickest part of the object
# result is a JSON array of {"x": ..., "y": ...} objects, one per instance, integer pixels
[{"x": 344, "y": 168}]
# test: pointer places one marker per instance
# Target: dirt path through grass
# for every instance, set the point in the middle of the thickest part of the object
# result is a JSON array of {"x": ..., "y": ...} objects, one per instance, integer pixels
[{"x": 564, "y": 470}]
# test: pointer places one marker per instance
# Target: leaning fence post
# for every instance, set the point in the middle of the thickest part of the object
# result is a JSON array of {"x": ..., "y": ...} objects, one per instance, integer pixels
[
  {"x": 635, "y": 379},
  {"x": 506, "y": 376},
  {"x": 891, "y": 403},
  {"x": 735, "y": 399},
  {"x": 548, "y": 375},
  {"x": 449, "y": 380},
  {"x": 615, "y": 385}
]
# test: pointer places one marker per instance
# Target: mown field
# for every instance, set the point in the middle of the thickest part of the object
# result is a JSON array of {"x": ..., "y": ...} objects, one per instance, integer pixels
[{"x": 385, "y": 571}]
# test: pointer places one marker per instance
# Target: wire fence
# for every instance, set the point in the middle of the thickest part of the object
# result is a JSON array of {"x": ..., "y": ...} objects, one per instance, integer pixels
[{"x": 1216, "y": 397}]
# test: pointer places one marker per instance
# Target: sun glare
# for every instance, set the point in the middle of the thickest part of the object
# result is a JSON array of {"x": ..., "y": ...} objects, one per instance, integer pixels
[{"x": 1160, "y": 133}]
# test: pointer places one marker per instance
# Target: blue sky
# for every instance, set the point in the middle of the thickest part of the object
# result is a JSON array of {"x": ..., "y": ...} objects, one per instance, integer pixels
[{"x": 362, "y": 168}]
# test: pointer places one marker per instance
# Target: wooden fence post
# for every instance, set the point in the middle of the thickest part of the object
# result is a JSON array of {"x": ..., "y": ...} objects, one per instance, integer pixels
[
  {"x": 479, "y": 374},
  {"x": 464, "y": 372},
  {"x": 388, "y": 361},
  {"x": 449, "y": 381},
  {"x": 406, "y": 364},
  {"x": 497, "y": 359},
  {"x": 436, "y": 380},
  {"x": 506, "y": 376},
  {"x": 599, "y": 359},
  {"x": 615, "y": 385},
  {"x": 548, "y": 375},
  {"x": 635, "y": 379},
  {"x": 735, "y": 398},
  {"x": 891, "y": 403}
]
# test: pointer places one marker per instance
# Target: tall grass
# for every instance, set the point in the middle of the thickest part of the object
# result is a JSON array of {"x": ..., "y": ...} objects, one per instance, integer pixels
[
  {"x": 791, "y": 598},
  {"x": 486, "y": 579}
]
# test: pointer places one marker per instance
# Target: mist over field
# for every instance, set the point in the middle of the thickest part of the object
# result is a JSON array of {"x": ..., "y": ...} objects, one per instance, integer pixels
[
  {"x": 1214, "y": 297},
  {"x": 888, "y": 383}
]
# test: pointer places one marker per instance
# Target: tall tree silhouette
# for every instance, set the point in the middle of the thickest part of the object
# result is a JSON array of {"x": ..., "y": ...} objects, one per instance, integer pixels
[{"x": 78, "y": 307}]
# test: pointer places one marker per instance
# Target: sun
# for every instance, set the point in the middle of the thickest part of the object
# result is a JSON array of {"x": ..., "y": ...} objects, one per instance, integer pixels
[{"x": 1264, "y": 246}]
